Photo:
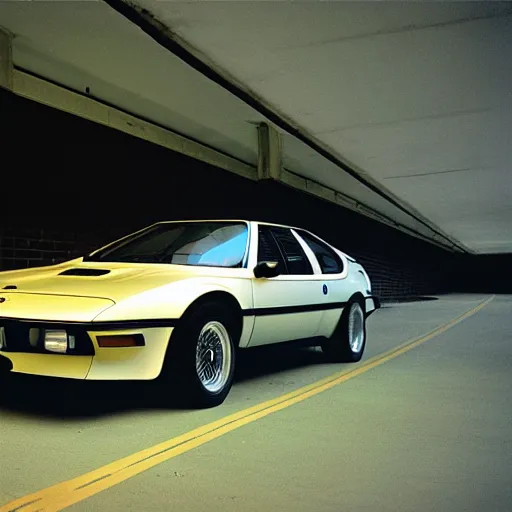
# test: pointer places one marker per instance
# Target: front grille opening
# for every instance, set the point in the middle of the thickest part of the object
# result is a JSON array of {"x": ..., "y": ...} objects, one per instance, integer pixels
[
  {"x": 29, "y": 337},
  {"x": 87, "y": 272}
]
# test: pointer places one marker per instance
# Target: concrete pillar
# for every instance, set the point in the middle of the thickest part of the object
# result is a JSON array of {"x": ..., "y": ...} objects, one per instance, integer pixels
[
  {"x": 269, "y": 153},
  {"x": 5, "y": 59}
]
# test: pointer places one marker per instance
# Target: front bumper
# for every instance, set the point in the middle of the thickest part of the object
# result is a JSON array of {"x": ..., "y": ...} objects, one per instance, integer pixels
[{"x": 88, "y": 360}]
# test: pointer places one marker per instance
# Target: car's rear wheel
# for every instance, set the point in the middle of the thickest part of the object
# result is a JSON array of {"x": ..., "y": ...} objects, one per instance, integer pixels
[
  {"x": 201, "y": 358},
  {"x": 348, "y": 341}
]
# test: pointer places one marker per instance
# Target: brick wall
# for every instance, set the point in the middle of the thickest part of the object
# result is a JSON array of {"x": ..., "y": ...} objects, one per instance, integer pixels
[
  {"x": 70, "y": 186},
  {"x": 23, "y": 247}
]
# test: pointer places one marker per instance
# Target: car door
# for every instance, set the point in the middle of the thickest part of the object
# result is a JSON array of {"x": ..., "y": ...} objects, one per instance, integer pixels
[
  {"x": 334, "y": 276},
  {"x": 289, "y": 306}
]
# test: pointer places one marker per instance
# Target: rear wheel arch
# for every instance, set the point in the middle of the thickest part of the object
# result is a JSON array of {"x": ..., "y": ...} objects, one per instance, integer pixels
[
  {"x": 338, "y": 347},
  {"x": 359, "y": 298}
]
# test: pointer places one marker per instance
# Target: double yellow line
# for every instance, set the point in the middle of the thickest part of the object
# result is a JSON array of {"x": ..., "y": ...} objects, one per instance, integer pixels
[{"x": 64, "y": 494}]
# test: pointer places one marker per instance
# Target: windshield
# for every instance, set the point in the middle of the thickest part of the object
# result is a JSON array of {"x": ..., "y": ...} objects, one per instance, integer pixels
[{"x": 212, "y": 244}]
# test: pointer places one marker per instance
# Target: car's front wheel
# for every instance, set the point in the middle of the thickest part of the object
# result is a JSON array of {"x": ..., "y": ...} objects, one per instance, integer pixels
[
  {"x": 348, "y": 341},
  {"x": 201, "y": 356}
]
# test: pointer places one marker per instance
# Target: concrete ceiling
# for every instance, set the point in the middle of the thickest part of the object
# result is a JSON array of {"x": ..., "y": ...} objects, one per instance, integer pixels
[{"x": 414, "y": 96}]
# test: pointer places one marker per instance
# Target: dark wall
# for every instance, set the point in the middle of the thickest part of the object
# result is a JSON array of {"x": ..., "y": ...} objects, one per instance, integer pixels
[
  {"x": 69, "y": 185},
  {"x": 483, "y": 274}
]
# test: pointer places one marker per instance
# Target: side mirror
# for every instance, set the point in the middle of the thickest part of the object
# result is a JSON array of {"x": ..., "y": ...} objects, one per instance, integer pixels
[{"x": 266, "y": 269}]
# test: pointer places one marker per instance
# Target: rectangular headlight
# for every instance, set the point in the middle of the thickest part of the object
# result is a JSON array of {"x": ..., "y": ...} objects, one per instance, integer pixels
[{"x": 56, "y": 341}]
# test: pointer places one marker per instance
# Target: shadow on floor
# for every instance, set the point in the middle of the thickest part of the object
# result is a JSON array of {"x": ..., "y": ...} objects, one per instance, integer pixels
[{"x": 71, "y": 399}]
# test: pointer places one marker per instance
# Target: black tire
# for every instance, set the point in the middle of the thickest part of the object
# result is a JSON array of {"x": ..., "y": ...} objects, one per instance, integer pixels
[
  {"x": 180, "y": 374},
  {"x": 5, "y": 371},
  {"x": 338, "y": 348},
  {"x": 6, "y": 385},
  {"x": 5, "y": 378}
]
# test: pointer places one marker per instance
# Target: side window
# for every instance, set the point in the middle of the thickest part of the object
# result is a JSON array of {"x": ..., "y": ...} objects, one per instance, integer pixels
[
  {"x": 296, "y": 260},
  {"x": 268, "y": 249},
  {"x": 329, "y": 261}
]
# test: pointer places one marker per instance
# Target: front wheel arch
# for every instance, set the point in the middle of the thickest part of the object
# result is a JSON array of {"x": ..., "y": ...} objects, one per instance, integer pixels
[
  {"x": 180, "y": 372},
  {"x": 222, "y": 298}
]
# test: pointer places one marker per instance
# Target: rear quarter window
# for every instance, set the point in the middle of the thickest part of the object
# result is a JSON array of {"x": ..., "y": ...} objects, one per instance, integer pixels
[{"x": 329, "y": 261}]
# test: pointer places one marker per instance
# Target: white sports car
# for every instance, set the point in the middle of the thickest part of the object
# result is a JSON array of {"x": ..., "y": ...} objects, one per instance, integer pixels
[{"x": 176, "y": 299}]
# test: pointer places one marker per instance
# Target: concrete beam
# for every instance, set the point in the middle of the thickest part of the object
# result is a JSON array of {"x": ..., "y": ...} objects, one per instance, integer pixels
[
  {"x": 55, "y": 96},
  {"x": 270, "y": 161},
  {"x": 5, "y": 59}
]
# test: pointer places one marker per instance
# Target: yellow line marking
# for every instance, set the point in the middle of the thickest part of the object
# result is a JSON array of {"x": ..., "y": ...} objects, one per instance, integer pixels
[{"x": 64, "y": 494}]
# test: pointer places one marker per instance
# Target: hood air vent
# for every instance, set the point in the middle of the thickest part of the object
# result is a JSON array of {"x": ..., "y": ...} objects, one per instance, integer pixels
[{"x": 87, "y": 272}]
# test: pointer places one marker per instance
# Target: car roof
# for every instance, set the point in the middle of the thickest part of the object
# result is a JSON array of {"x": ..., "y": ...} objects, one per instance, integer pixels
[
  {"x": 245, "y": 221},
  {"x": 230, "y": 220}
]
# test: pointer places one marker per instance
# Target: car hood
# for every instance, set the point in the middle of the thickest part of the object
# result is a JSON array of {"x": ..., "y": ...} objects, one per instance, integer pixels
[{"x": 112, "y": 281}]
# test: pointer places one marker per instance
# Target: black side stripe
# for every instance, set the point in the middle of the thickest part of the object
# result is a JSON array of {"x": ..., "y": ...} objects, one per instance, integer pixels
[
  {"x": 173, "y": 322},
  {"x": 287, "y": 310}
]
